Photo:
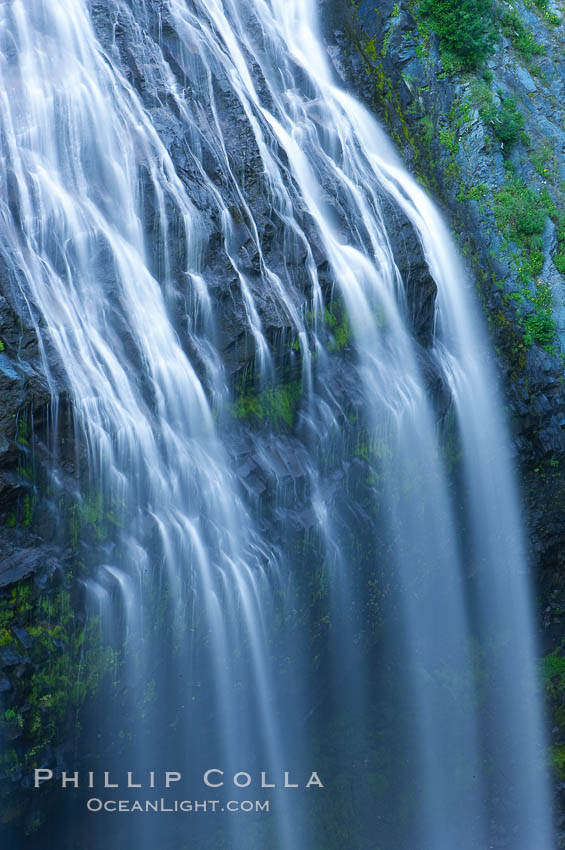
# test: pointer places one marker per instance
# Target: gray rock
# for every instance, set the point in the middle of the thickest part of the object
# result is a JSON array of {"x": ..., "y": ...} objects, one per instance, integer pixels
[
  {"x": 23, "y": 636},
  {"x": 29, "y": 562},
  {"x": 525, "y": 79}
]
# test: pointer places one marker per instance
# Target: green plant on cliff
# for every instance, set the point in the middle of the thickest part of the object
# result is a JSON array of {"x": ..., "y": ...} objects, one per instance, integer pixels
[
  {"x": 521, "y": 213},
  {"x": 539, "y": 325},
  {"x": 543, "y": 161},
  {"x": 559, "y": 256},
  {"x": 465, "y": 28},
  {"x": 542, "y": 6},
  {"x": 520, "y": 34},
  {"x": 506, "y": 122}
]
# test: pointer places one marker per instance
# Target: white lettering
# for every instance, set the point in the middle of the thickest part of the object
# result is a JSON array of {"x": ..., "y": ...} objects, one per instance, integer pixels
[
  {"x": 72, "y": 779},
  {"x": 171, "y": 776},
  {"x": 42, "y": 775},
  {"x": 314, "y": 780},
  {"x": 264, "y": 783},
  {"x": 287, "y": 783},
  {"x": 207, "y": 778},
  {"x": 107, "y": 783}
]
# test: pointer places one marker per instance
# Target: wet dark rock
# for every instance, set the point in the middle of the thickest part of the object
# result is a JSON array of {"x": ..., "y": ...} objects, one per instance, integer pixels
[
  {"x": 11, "y": 657},
  {"x": 23, "y": 636},
  {"x": 420, "y": 287},
  {"x": 40, "y": 561}
]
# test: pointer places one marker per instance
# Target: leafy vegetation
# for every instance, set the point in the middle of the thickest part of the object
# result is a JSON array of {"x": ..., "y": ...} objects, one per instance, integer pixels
[
  {"x": 543, "y": 161},
  {"x": 521, "y": 213},
  {"x": 542, "y": 6},
  {"x": 559, "y": 256},
  {"x": 465, "y": 28},
  {"x": 520, "y": 34},
  {"x": 506, "y": 122},
  {"x": 539, "y": 325}
]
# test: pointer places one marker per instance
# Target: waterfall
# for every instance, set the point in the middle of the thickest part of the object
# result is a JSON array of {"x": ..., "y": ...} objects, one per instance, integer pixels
[{"x": 316, "y": 557}]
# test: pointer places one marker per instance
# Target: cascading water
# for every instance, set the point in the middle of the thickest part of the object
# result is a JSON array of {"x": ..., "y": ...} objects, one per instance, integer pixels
[{"x": 343, "y": 589}]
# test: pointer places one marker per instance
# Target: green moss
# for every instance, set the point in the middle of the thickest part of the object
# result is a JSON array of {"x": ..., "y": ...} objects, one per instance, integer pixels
[
  {"x": 12, "y": 718},
  {"x": 68, "y": 663},
  {"x": 371, "y": 49},
  {"x": 372, "y": 448},
  {"x": 557, "y": 760},
  {"x": 329, "y": 318},
  {"x": 553, "y": 677},
  {"x": 93, "y": 519},
  {"x": 74, "y": 527},
  {"x": 24, "y": 431},
  {"x": 28, "y": 510},
  {"x": 337, "y": 320},
  {"x": 385, "y": 98},
  {"x": 427, "y": 130},
  {"x": 276, "y": 404}
]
